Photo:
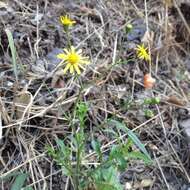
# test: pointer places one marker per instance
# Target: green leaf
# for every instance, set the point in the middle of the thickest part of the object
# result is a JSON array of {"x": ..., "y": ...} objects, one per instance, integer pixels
[
  {"x": 82, "y": 109},
  {"x": 137, "y": 142},
  {"x": 27, "y": 188},
  {"x": 64, "y": 149},
  {"x": 122, "y": 163},
  {"x": 107, "y": 179},
  {"x": 128, "y": 28},
  {"x": 13, "y": 174},
  {"x": 139, "y": 155},
  {"x": 97, "y": 148},
  {"x": 152, "y": 101},
  {"x": 132, "y": 136},
  {"x": 148, "y": 113},
  {"x": 114, "y": 153},
  {"x": 118, "y": 124},
  {"x": 111, "y": 131},
  {"x": 105, "y": 186},
  {"x": 19, "y": 182}
]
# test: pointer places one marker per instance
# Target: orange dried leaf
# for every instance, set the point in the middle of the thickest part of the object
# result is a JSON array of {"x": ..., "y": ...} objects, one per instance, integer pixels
[
  {"x": 174, "y": 100},
  {"x": 148, "y": 81}
]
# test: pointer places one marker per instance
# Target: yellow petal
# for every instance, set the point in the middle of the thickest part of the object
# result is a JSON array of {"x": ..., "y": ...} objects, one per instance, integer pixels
[
  {"x": 72, "y": 49},
  {"x": 71, "y": 69},
  {"x": 77, "y": 69},
  {"x": 84, "y": 61},
  {"x": 62, "y": 56},
  {"x": 81, "y": 66},
  {"x": 61, "y": 18},
  {"x": 66, "y": 51},
  {"x": 66, "y": 68}
]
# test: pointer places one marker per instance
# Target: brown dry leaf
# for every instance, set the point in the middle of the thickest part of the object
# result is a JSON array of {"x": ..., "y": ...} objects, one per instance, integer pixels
[
  {"x": 23, "y": 102},
  {"x": 87, "y": 10},
  {"x": 174, "y": 100}
]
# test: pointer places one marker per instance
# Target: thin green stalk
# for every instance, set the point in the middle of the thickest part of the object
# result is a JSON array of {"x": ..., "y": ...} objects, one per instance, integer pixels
[
  {"x": 77, "y": 166},
  {"x": 78, "y": 154},
  {"x": 68, "y": 39}
]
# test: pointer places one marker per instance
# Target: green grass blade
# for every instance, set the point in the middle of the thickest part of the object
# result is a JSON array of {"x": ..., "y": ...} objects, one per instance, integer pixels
[{"x": 13, "y": 51}]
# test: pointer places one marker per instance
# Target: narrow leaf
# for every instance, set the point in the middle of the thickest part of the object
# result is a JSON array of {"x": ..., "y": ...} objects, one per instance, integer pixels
[
  {"x": 132, "y": 136},
  {"x": 139, "y": 155},
  {"x": 13, "y": 51},
  {"x": 19, "y": 182},
  {"x": 137, "y": 142}
]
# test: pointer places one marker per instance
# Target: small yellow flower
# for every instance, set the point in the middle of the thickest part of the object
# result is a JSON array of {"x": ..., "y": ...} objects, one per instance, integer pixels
[
  {"x": 73, "y": 59},
  {"x": 66, "y": 21},
  {"x": 142, "y": 53}
]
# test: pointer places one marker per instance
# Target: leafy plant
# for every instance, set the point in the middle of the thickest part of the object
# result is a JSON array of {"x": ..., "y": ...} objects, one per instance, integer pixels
[
  {"x": 107, "y": 178},
  {"x": 148, "y": 113},
  {"x": 151, "y": 101},
  {"x": 103, "y": 172},
  {"x": 19, "y": 180},
  {"x": 71, "y": 152}
]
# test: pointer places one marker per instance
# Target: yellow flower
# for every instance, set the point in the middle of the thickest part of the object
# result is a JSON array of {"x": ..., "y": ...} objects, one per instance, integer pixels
[
  {"x": 66, "y": 21},
  {"x": 73, "y": 59},
  {"x": 142, "y": 53}
]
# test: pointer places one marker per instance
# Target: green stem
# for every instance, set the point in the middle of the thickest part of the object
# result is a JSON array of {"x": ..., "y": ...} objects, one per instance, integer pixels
[
  {"x": 78, "y": 154},
  {"x": 77, "y": 165},
  {"x": 68, "y": 39}
]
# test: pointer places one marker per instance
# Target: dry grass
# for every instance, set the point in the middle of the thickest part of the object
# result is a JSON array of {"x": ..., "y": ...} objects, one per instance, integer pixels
[{"x": 33, "y": 111}]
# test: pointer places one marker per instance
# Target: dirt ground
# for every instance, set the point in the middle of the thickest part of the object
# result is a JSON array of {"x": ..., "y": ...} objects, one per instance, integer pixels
[{"x": 100, "y": 31}]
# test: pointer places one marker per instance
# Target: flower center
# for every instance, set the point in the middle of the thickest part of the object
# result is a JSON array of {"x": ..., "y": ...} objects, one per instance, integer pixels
[
  {"x": 144, "y": 52},
  {"x": 73, "y": 58},
  {"x": 66, "y": 21}
]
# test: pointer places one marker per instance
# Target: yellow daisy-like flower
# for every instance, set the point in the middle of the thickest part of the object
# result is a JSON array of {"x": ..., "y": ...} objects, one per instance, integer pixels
[
  {"x": 73, "y": 59},
  {"x": 66, "y": 21},
  {"x": 142, "y": 52}
]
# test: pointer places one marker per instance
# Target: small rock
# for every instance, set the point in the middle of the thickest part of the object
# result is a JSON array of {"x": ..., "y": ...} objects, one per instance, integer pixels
[
  {"x": 138, "y": 31},
  {"x": 52, "y": 58},
  {"x": 128, "y": 186},
  {"x": 146, "y": 183},
  {"x": 38, "y": 17},
  {"x": 39, "y": 67}
]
